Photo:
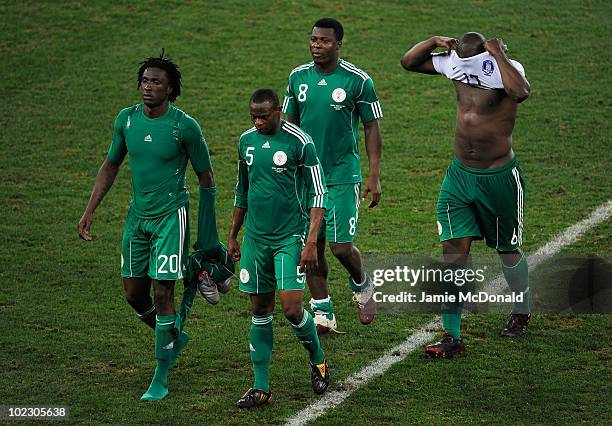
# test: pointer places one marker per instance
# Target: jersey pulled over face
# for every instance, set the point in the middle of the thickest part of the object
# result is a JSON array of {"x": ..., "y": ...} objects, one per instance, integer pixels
[
  {"x": 479, "y": 70},
  {"x": 158, "y": 150},
  {"x": 279, "y": 179},
  {"x": 329, "y": 107}
]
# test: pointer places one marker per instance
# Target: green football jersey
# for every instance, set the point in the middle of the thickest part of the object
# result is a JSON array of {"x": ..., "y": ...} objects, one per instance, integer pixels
[
  {"x": 279, "y": 180},
  {"x": 158, "y": 150},
  {"x": 329, "y": 107}
]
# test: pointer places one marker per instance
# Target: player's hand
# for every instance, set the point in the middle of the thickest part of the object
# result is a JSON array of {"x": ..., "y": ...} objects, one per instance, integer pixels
[
  {"x": 495, "y": 46},
  {"x": 447, "y": 43},
  {"x": 84, "y": 225},
  {"x": 372, "y": 186},
  {"x": 233, "y": 249},
  {"x": 309, "y": 260}
]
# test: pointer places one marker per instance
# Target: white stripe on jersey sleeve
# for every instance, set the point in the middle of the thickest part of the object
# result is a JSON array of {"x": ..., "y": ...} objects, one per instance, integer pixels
[
  {"x": 295, "y": 131},
  {"x": 376, "y": 109},
  {"x": 302, "y": 67},
  {"x": 375, "y": 106},
  {"x": 352, "y": 68},
  {"x": 315, "y": 172},
  {"x": 246, "y": 132},
  {"x": 286, "y": 103}
]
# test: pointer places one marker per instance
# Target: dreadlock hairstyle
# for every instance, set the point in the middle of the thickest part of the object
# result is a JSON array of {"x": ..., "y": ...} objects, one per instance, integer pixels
[{"x": 166, "y": 64}]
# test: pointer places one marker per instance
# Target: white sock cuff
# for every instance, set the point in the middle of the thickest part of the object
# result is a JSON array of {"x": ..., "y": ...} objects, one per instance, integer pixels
[
  {"x": 363, "y": 282},
  {"x": 304, "y": 320},
  {"x": 262, "y": 319},
  {"x": 516, "y": 264},
  {"x": 146, "y": 313}
]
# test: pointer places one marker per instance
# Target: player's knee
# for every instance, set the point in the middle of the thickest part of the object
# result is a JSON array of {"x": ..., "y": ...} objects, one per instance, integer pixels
[
  {"x": 510, "y": 258},
  {"x": 456, "y": 251},
  {"x": 164, "y": 298},
  {"x": 161, "y": 301},
  {"x": 131, "y": 299},
  {"x": 136, "y": 300},
  {"x": 293, "y": 312},
  {"x": 342, "y": 251}
]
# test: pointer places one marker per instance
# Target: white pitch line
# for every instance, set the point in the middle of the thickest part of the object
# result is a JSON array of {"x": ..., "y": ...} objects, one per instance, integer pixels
[{"x": 416, "y": 340}]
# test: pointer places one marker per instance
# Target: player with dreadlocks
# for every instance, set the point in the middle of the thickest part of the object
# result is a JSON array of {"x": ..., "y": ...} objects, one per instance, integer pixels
[{"x": 159, "y": 140}]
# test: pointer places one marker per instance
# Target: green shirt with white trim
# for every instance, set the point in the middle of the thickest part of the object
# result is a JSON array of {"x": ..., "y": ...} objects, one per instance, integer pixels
[
  {"x": 279, "y": 179},
  {"x": 329, "y": 107},
  {"x": 158, "y": 151}
]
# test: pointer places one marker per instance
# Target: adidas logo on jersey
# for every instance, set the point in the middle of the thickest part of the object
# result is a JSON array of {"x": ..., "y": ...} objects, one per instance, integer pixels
[
  {"x": 322, "y": 82},
  {"x": 266, "y": 145},
  {"x": 148, "y": 138}
]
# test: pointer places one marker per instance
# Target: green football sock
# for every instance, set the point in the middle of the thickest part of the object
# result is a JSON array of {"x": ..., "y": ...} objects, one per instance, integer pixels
[
  {"x": 261, "y": 339},
  {"x": 306, "y": 332},
  {"x": 358, "y": 287},
  {"x": 164, "y": 343},
  {"x": 323, "y": 306},
  {"x": 517, "y": 277},
  {"x": 451, "y": 312},
  {"x": 452, "y": 323}
]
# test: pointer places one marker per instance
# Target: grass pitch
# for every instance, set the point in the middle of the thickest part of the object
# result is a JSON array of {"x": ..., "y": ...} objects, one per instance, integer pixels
[{"x": 69, "y": 338}]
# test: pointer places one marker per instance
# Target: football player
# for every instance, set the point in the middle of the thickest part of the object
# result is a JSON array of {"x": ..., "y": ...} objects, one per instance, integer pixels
[
  {"x": 327, "y": 98},
  {"x": 159, "y": 140},
  {"x": 280, "y": 186},
  {"x": 483, "y": 192}
]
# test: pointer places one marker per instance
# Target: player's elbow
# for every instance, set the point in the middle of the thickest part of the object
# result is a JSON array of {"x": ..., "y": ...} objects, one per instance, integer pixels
[
  {"x": 407, "y": 63},
  {"x": 206, "y": 178},
  {"x": 521, "y": 94}
]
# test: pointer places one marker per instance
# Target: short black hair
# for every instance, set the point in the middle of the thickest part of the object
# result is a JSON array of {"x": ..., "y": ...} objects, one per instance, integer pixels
[
  {"x": 470, "y": 44},
  {"x": 265, "y": 95},
  {"x": 166, "y": 64},
  {"x": 331, "y": 23}
]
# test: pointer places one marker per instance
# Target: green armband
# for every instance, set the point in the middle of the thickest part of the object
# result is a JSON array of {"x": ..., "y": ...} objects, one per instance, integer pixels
[{"x": 207, "y": 220}]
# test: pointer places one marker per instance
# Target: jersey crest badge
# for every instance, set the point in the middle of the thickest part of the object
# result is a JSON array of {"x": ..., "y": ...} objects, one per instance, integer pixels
[
  {"x": 322, "y": 82},
  {"x": 148, "y": 138},
  {"x": 487, "y": 67},
  {"x": 244, "y": 276},
  {"x": 279, "y": 158},
  {"x": 266, "y": 145},
  {"x": 339, "y": 95}
]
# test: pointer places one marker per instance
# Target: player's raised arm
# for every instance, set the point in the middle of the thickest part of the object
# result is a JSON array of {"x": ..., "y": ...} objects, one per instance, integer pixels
[
  {"x": 418, "y": 58},
  {"x": 515, "y": 84},
  {"x": 104, "y": 180}
]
